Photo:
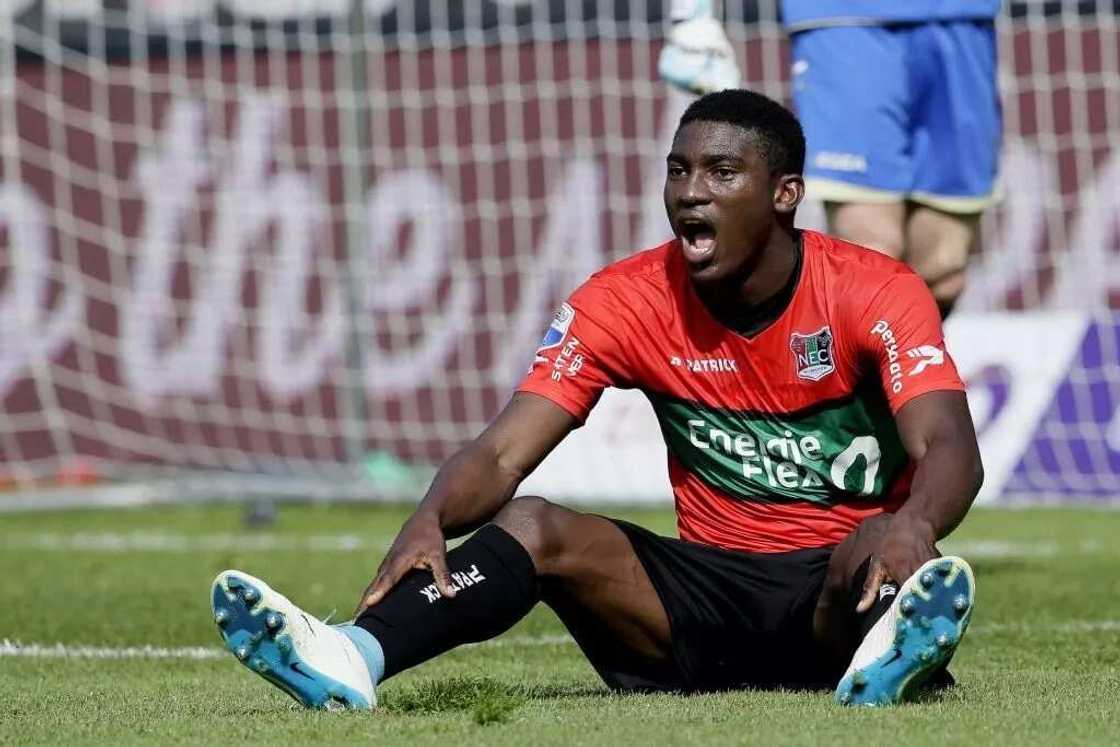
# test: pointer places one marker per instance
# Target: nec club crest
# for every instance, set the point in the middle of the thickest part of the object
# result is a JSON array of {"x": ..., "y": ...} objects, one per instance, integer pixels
[
  {"x": 556, "y": 331},
  {"x": 812, "y": 353}
]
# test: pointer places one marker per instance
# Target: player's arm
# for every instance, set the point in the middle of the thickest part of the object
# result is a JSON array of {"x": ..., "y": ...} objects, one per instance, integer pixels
[
  {"x": 470, "y": 488},
  {"x": 937, "y": 431},
  {"x": 904, "y": 339}
]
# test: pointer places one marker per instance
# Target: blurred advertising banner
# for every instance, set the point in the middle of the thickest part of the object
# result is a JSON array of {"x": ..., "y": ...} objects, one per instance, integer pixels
[{"x": 233, "y": 238}]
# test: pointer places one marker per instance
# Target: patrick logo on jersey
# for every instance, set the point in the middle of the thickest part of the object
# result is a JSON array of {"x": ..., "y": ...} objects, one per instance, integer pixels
[{"x": 812, "y": 353}]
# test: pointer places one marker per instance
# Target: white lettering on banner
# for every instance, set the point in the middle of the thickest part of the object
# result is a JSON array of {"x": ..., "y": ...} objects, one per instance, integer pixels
[
  {"x": 1010, "y": 257},
  {"x": 293, "y": 352},
  {"x": 404, "y": 278},
  {"x": 1112, "y": 432},
  {"x": 173, "y": 11},
  {"x": 1090, "y": 271},
  {"x": 247, "y": 200},
  {"x": 170, "y": 176},
  {"x": 278, "y": 10},
  {"x": 29, "y": 329},
  {"x": 569, "y": 252},
  {"x": 71, "y": 9}
]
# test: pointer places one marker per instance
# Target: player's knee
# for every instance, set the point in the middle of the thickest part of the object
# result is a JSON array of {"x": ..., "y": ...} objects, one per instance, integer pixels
[
  {"x": 938, "y": 246},
  {"x": 875, "y": 226},
  {"x": 537, "y": 525},
  {"x": 947, "y": 290}
]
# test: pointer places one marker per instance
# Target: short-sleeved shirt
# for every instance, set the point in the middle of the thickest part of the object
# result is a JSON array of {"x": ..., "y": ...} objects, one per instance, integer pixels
[{"x": 780, "y": 441}]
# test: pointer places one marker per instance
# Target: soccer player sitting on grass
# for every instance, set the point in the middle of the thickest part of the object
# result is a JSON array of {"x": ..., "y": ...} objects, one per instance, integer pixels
[{"x": 819, "y": 444}]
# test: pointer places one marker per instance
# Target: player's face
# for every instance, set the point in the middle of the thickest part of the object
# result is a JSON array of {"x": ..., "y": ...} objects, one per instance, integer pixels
[{"x": 722, "y": 199}]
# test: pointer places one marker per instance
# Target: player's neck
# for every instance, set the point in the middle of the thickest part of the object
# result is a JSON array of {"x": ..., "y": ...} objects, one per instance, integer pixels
[{"x": 769, "y": 278}]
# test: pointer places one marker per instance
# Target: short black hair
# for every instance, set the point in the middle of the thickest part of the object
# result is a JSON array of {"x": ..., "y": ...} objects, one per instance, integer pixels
[{"x": 778, "y": 134}]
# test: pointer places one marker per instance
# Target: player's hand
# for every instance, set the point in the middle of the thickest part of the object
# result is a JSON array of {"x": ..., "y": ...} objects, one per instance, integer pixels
[
  {"x": 420, "y": 544},
  {"x": 907, "y": 544}
]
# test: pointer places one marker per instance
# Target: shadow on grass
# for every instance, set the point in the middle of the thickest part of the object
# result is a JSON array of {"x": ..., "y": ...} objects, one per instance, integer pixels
[
  {"x": 461, "y": 693},
  {"x": 489, "y": 700},
  {"x": 988, "y": 567}
]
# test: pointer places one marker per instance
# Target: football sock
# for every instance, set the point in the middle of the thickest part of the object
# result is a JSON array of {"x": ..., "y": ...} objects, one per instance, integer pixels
[
  {"x": 496, "y": 585},
  {"x": 369, "y": 648}
]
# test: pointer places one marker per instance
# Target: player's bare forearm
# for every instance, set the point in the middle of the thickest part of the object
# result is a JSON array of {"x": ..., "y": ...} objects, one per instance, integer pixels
[
  {"x": 469, "y": 489},
  {"x": 937, "y": 431},
  {"x": 474, "y": 484}
]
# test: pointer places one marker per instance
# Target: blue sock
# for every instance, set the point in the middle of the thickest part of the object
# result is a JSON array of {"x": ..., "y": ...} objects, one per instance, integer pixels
[{"x": 369, "y": 648}]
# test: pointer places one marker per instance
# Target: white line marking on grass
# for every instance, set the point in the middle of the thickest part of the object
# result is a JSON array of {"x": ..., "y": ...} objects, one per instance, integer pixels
[
  {"x": 1071, "y": 626},
  {"x": 206, "y": 653},
  {"x": 116, "y": 542},
  {"x": 65, "y": 651},
  {"x": 1001, "y": 549}
]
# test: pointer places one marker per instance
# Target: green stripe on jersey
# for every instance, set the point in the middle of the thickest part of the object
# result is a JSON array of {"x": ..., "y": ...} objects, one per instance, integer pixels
[{"x": 838, "y": 451}]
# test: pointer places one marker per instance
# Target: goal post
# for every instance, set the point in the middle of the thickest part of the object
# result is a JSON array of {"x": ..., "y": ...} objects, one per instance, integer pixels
[{"x": 305, "y": 248}]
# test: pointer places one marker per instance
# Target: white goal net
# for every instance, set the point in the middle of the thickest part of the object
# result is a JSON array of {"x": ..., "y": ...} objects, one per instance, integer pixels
[{"x": 306, "y": 247}]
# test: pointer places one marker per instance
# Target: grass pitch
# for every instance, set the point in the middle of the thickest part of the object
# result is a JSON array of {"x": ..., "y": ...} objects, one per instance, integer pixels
[{"x": 124, "y": 595}]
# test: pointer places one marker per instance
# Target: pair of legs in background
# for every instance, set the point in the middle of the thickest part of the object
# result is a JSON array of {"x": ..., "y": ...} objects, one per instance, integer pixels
[
  {"x": 902, "y": 126},
  {"x": 650, "y": 613}
]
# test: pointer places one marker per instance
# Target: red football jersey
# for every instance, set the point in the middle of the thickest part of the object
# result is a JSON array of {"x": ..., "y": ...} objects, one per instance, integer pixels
[{"x": 779, "y": 441}]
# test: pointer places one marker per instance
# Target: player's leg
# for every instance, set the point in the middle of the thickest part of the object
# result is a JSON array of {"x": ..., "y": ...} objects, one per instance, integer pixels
[
  {"x": 591, "y": 576},
  {"x": 908, "y": 637},
  {"x": 533, "y": 549},
  {"x": 956, "y": 144},
  {"x": 579, "y": 562},
  {"x": 878, "y": 225},
  {"x": 937, "y": 248}
]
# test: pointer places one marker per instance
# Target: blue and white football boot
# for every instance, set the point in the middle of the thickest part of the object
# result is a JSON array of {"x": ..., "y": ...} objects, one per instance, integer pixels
[
  {"x": 697, "y": 56},
  {"x": 315, "y": 663},
  {"x": 914, "y": 638}
]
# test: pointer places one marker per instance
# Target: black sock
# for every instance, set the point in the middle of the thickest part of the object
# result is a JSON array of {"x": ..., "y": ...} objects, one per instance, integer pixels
[{"x": 497, "y": 586}]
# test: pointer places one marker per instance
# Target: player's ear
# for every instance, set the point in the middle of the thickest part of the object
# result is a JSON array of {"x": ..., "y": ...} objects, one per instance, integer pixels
[{"x": 789, "y": 191}]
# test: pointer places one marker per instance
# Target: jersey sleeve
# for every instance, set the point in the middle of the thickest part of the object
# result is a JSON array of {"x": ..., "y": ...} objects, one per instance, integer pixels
[
  {"x": 900, "y": 333},
  {"x": 581, "y": 353}
]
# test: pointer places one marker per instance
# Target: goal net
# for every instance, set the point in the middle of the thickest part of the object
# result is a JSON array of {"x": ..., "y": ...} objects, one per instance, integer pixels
[{"x": 306, "y": 247}]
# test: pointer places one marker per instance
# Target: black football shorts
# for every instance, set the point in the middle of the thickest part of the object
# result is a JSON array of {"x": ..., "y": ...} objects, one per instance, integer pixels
[{"x": 738, "y": 619}]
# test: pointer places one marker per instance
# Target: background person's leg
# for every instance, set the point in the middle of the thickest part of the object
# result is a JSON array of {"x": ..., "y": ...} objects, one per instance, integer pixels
[
  {"x": 937, "y": 248},
  {"x": 876, "y": 225}
]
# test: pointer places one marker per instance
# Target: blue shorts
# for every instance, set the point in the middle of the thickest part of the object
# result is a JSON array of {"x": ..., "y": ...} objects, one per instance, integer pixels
[{"x": 900, "y": 112}]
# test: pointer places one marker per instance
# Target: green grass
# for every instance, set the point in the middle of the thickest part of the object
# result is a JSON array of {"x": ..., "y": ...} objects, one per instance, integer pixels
[{"x": 1041, "y": 664}]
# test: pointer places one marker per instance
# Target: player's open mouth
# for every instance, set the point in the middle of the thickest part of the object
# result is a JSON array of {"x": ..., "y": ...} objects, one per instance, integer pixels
[{"x": 698, "y": 240}]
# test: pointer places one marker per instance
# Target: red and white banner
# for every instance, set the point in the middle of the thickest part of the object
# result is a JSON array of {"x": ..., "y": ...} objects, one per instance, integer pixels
[{"x": 175, "y": 280}]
